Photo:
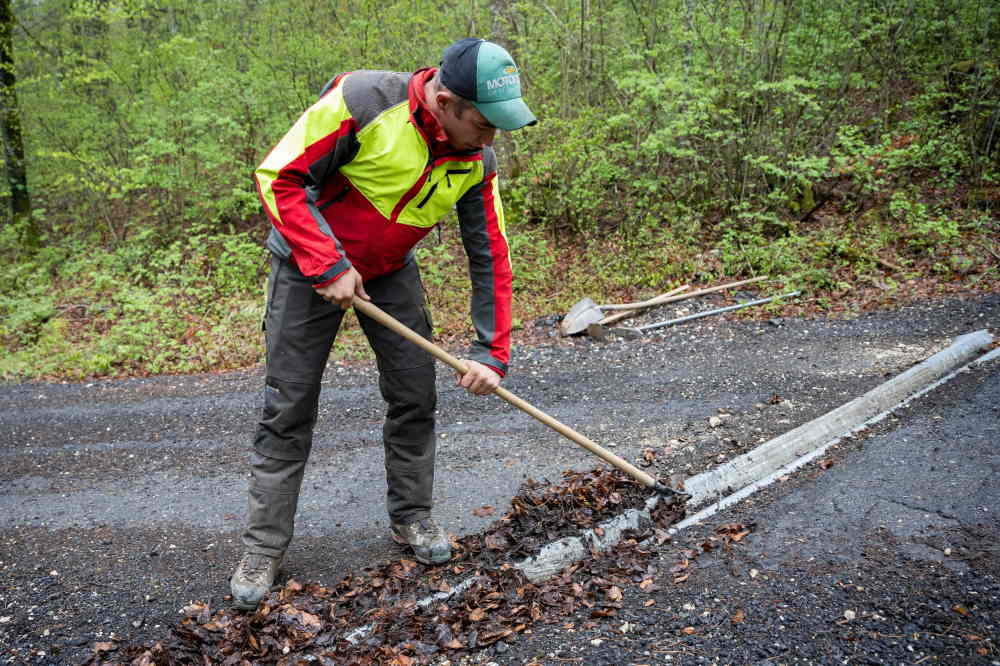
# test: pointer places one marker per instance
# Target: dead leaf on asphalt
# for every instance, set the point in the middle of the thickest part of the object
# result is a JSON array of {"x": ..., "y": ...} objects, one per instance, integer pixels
[
  {"x": 689, "y": 630},
  {"x": 681, "y": 579},
  {"x": 483, "y": 511},
  {"x": 738, "y": 616},
  {"x": 680, "y": 566},
  {"x": 961, "y": 610},
  {"x": 615, "y": 593}
]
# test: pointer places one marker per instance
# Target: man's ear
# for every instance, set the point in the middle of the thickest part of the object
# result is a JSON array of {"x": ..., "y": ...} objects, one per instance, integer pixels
[{"x": 445, "y": 101}]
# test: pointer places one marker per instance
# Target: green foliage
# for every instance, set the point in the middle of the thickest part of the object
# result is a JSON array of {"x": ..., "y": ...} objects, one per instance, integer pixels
[
  {"x": 668, "y": 129},
  {"x": 74, "y": 311}
]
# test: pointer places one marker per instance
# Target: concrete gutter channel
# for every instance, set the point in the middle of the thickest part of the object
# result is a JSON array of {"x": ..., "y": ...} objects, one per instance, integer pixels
[{"x": 739, "y": 478}]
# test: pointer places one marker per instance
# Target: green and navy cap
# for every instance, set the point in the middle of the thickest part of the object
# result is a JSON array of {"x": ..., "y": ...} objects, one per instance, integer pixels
[{"x": 485, "y": 74}]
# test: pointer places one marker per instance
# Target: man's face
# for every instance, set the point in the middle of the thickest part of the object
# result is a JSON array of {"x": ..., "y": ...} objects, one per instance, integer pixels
[{"x": 466, "y": 128}]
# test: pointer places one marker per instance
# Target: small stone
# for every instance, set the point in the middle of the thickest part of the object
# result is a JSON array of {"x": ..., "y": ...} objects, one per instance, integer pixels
[
  {"x": 137, "y": 623},
  {"x": 500, "y": 647},
  {"x": 714, "y": 421},
  {"x": 596, "y": 641},
  {"x": 849, "y": 615}
]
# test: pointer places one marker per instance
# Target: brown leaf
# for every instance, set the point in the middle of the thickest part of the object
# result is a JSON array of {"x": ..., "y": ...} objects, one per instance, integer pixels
[
  {"x": 645, "y": 584},
  {"x": 477, "y": 614},
  {"x": 649, "y": 602},
  {"x": 681, "y": 579},
  {"x": 615, "y": 593},
  {"x": 680, "y": 566},
  {"x": 688, "y": 630},
  {"x": 826, "y": 463},
  {"x": 739, "y": 616},
  {"x": 103, "y": 647},
  {"x": 961, "y": 610},
  {"x": 483, "y": 511},
  {"x": 403, "y": 660},
  {"x": 309, "y": 620}
]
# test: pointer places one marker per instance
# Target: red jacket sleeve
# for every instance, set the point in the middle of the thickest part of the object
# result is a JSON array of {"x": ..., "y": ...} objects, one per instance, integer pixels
[{"x": 320, "y": 141}]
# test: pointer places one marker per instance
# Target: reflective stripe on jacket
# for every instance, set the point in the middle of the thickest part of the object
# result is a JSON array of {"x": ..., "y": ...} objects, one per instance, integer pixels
[{"x": 353, "y": 182}]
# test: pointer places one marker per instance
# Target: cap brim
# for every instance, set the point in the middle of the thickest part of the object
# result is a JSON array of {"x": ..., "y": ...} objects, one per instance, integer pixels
[{"x": 510, "y": 114}]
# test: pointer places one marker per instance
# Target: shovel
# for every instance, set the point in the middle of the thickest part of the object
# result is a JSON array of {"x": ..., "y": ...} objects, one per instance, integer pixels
[
  {"x": 390, "y": 322},
  {"x": 599, "y": 329},
  {"x": 587, "y": 312}
]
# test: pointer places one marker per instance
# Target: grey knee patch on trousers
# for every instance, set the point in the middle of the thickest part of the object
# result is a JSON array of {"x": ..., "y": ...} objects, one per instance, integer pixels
[{"x": 285, "y": 430}]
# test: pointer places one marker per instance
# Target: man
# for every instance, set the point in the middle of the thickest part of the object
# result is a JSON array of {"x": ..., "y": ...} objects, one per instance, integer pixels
[{"x": 361, "y": 177}]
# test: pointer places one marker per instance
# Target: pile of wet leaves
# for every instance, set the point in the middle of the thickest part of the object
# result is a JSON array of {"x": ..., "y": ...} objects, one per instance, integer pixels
[{"x": 407, "y": 613}]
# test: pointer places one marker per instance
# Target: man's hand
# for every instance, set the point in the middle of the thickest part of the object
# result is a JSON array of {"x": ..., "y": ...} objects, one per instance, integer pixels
[
  {"x": 344, "y": 289},
  {"x": 478, "y": 379}
]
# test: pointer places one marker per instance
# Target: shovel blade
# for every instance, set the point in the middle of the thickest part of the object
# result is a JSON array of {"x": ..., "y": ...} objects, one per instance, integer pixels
[{"x": 580, "y": 316}]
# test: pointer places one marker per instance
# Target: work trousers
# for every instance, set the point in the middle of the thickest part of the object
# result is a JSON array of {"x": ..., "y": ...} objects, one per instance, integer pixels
[{"x": 300, "y": 329}]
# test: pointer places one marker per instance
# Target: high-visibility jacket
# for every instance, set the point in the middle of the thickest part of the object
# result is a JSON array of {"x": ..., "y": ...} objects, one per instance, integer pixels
[{"x": 353, "y": 182}]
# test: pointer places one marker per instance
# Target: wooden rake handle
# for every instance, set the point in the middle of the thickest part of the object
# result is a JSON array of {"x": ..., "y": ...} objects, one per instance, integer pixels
[{"x": 371, "y": 310}]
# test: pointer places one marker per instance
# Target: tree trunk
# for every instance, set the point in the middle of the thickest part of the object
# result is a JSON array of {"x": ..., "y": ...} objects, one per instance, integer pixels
[{"x": 17, "y": 177}]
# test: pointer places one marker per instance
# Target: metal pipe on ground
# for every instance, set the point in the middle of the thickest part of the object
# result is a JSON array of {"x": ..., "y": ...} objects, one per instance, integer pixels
[{"x": 638, "y": 332}]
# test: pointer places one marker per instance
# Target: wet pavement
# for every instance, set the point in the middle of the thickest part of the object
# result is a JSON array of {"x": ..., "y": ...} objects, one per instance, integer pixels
[{"x": 120, "y": 501}]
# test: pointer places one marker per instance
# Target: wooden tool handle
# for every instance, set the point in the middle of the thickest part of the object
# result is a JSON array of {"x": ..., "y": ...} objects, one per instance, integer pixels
[
  {"x": 371, "y": 310},
  {"x": 635, "y": 309},
  {"x": 648, "y": 303},
  {"x": 663, "y": 300}
]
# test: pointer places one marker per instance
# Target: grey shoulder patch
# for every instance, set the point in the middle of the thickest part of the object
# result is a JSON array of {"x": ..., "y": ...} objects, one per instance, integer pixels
[
  {"x": 367, "y": 93},
  {"x": 489, "y": 161}
]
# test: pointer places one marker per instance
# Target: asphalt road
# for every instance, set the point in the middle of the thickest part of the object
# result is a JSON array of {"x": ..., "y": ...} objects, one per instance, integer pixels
[{"x": 120, "y": 501}]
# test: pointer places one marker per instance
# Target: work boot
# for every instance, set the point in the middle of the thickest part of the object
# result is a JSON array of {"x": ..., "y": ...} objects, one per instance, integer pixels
[
  {"x": 428, "y": 541},
  {"x": 252, "y": 579}
]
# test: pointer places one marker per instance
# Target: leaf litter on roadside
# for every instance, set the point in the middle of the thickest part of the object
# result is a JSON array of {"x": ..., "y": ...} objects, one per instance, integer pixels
[{"x": 378, "y": 606}]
